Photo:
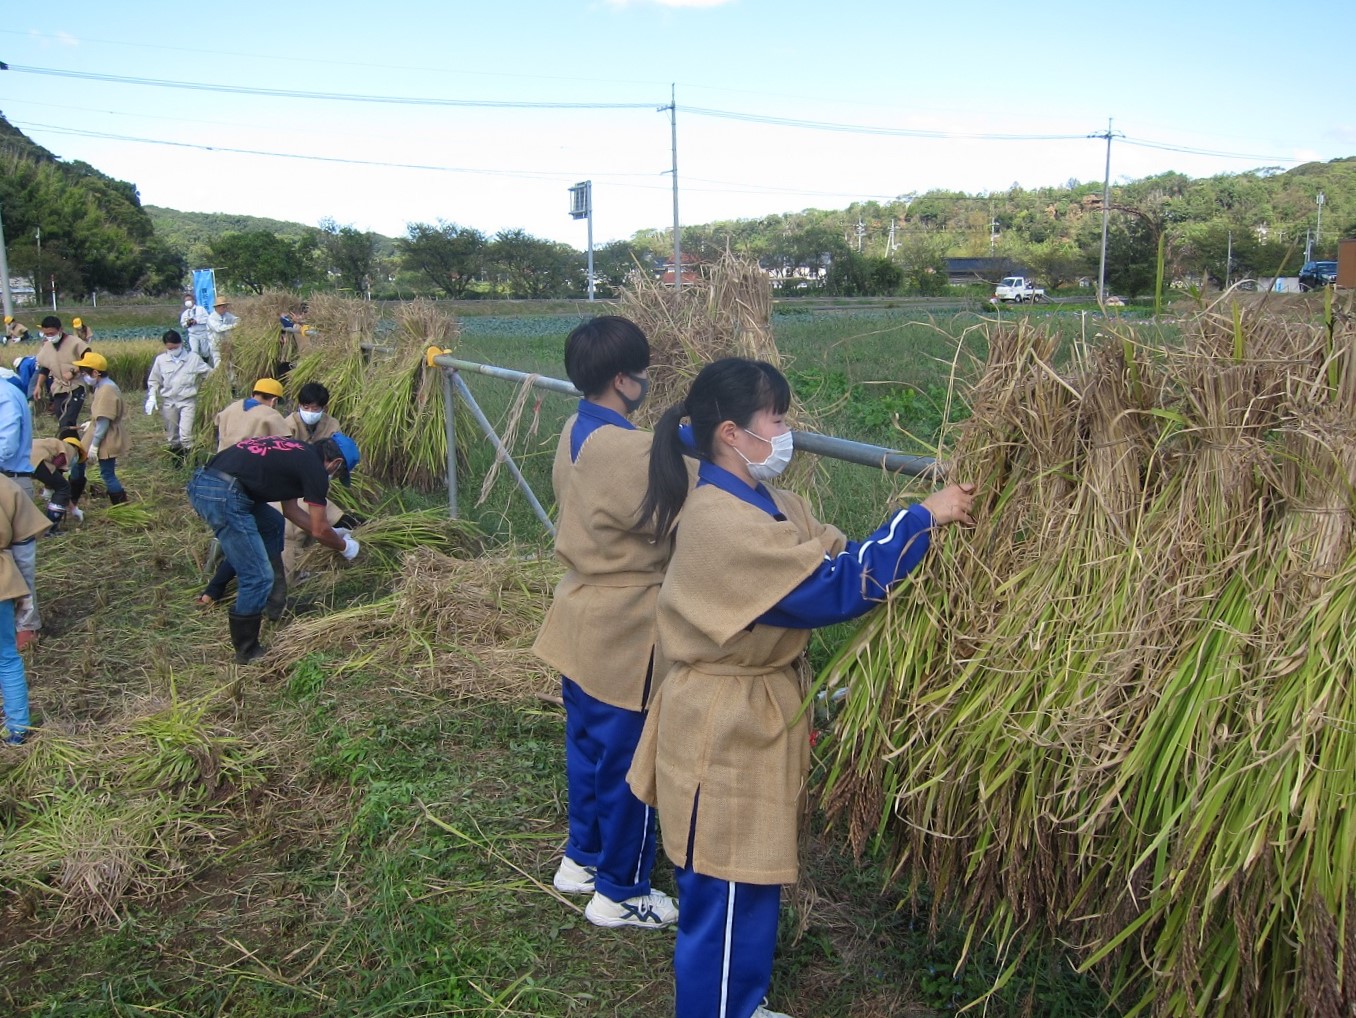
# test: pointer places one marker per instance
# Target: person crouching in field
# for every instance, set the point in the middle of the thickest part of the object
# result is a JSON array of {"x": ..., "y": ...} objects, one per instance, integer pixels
[
  {"x": 311, "y": 423},
  {"x": 20, "y": 521},
  {"x": 50, "y": 458},
  {"x": 173, "y": 386},
  {"x": 105, "y": 439},
  {"x": 726, "y": 748},
  {"x": 232, "y": 495},
  {"x": 599, "y": 631},
  {"x": 256, "y": 416}
]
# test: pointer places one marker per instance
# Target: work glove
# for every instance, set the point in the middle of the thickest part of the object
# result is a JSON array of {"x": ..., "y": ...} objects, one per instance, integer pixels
[
  {"x": 93, "y": 453},
  {"x": 151, "y": 404},
  {"x": 343, "y": 532},
  {"x": 350, "y": 551}
]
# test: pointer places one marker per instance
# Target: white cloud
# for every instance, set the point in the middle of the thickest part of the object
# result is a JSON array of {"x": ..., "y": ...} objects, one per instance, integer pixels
[
  {"x": 670, "y": 3},
  {"x": 66, "y": 39}
]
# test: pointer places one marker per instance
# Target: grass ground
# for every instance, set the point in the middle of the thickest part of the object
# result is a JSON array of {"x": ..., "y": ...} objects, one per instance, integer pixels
[{"x": 348, "y": 830}]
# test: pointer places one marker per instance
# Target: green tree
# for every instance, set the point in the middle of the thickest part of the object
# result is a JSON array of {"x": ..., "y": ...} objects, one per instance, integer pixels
[
  {"x": 449, "y": 256},
  {"x": 350, "y": 255},
  {"x": 257, "y": 260},
  {"x": 533, "y": 268}
]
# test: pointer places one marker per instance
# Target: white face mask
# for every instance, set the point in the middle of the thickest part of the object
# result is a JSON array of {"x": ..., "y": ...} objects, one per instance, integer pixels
[
  {"x": 87, "y": 378},
  {"x": 311, "y": 417},
  {"x": 51, "y": 337},
  {"x": 188, "y": 303},
  {"x": 777, "y": 460},
  {"x": 177, "y": 352}
]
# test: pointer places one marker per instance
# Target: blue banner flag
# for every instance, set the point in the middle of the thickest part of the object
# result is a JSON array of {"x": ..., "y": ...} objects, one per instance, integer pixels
[{"x": 205, "y": 287}]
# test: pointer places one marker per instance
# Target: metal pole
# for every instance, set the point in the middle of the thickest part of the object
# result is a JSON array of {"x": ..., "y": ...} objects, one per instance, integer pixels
[
  {"x": 1229, "y": 259},
  {"x": 677, "y": 238},
  {"x": 4, "y": 272},
  {"x": 1318, "y": 227},
  {"x": 1106, "y": 211},
  {"x": 502, "y": 451},
  {"x": 590, "y": 194},
  {"x": 449, "y": 419},
  {"x": 843, "y": 449}
]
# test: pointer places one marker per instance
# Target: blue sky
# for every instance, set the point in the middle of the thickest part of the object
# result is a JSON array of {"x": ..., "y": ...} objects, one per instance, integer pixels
[{"x": 1243, "y": 80}]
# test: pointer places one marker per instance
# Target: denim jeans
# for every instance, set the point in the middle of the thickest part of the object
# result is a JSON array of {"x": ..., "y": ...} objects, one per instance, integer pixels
[
  {"x": 107, "y": 470},
  {"x": 13, "y": 682},
  {"x": 246, "y": 529}
]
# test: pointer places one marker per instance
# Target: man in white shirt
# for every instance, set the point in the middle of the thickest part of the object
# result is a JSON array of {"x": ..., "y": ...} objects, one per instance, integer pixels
[
  {"x": 193, "y": 320},
  {"x": 219, "y": 322}
]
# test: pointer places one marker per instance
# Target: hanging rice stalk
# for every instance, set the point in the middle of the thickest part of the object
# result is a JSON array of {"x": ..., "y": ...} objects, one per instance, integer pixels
[
  {"x": 381, "y": 392},
  {"x": 1119, "y": 712}
]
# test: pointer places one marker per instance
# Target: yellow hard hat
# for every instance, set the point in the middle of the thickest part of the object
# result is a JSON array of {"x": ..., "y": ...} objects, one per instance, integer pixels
[
  {"x": 74, "y": 443},
  {"x": 96, "y": 361},
  {"x": 269, "y": 386},
  {"x": 8, "y": 319},
  {"x": 76, "y": 323}
]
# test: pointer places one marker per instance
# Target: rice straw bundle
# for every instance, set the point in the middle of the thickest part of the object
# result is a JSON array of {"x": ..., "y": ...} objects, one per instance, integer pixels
[{"x": 1120, "y": 710}]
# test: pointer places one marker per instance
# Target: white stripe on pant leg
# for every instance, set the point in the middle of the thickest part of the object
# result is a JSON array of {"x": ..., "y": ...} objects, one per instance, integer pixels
[
  {"x": 644, "y": 840},
  {"x": 725, "y": 961}
]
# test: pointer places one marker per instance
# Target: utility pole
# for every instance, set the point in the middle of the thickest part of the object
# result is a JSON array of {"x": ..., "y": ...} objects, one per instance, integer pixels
[
  {"x": 890, "y": 244},
  {"x": 1106, "y": 210},
  {"x": 672, "y": 107},
  {"x": 1308, "y": 244},
  {"x": 4, "y": 272},
  {"x": 1229, "y": 260},
  {"x": 861, "y": 233},
  {"x": 1318, "y": 227},
  {"x": 37, "y": 272}
]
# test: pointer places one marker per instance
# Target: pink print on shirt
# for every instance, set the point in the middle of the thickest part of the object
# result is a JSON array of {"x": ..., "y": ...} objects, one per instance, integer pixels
[{"x": 262, "y": 446}]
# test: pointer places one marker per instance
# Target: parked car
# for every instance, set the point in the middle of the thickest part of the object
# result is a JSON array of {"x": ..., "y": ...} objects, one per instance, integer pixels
[{"x": 1316, "y": 274}]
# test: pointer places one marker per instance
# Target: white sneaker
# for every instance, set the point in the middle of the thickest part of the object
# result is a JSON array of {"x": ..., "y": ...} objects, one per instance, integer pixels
[
  {"x": 653, "y": 911},
  {"x": 571, "y": 878},
  {"x": 763, "y": 1012}
]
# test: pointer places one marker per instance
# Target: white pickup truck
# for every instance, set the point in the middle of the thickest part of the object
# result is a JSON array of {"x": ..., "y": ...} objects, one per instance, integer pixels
[{"x": 1017, "y": 288}]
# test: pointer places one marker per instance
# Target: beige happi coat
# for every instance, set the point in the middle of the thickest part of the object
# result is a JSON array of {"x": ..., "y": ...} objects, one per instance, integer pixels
[
  {"x": 600, "y": 629},
  {"x": 727, "y": 721},
  {"x": 235, "y": 423},
  {"x": 107, "y": 402},
  {"x": 45, "y": 450},
  {"x": 20, "y": 519},
  {"x": 60, "y": 362}
]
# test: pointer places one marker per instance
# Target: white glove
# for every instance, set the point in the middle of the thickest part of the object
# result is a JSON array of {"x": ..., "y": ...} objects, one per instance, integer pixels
[
  {"x": 350, "y": 551},
  {"x": 93, "y": 453},
  {"x": 343, "y": 531},
  {"x": 151, "y": 404}
]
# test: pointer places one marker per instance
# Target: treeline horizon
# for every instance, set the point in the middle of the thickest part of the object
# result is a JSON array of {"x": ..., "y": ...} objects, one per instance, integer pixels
[{"x": 96, "y": 235}]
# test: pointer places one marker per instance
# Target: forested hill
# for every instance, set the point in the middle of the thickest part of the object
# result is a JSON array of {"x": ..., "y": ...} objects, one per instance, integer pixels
[
  {"x": 192, "y": 233},
  {"x": 94, "y": 232}
]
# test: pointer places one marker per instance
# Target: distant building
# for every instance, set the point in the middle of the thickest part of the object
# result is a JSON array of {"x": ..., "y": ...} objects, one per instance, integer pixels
[
  {"x": 21, "y": 290},
  {"x": 963, "y": 271},
  {"x": 690, "y": 270}
]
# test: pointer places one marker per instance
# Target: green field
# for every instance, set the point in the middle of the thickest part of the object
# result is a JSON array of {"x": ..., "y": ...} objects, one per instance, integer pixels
[{"x": 345, "y": 832}]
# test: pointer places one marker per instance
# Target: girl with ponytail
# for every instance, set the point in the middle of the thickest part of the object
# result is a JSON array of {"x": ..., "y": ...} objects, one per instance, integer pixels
[{"x": 725, "y": 749}]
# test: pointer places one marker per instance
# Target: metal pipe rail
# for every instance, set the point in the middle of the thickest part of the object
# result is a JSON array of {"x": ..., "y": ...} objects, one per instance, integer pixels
[{"x": 861, "y": 453}]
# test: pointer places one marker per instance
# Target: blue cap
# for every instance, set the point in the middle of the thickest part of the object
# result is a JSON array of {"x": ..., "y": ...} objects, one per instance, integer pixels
[{"x": 349, "y": 450}]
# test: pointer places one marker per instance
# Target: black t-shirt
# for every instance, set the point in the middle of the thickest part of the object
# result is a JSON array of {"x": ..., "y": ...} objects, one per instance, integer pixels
[{"x": 276, "y": 468}]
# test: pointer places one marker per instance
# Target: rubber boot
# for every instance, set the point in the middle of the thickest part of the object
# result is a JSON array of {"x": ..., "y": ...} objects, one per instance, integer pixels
[
  {"x": 117, "y": 497},
  {"x": 245, "y": 637},
  {"x": 277, "y": 597}
]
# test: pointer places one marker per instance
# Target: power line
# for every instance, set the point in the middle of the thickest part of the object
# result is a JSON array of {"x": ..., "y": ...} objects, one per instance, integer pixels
[
  {"x": 731, "y": 187},
  {"x": 284, "y": 93},
  {"x": 756, "y": 118}
]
